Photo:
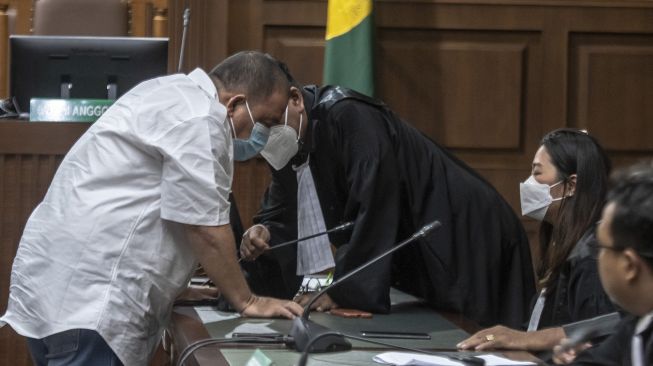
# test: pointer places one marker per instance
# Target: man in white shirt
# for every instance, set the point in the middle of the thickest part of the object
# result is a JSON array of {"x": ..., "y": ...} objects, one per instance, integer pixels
[
  {"x": 625, "y": 236},
  {"x": 137, "y": 201}
]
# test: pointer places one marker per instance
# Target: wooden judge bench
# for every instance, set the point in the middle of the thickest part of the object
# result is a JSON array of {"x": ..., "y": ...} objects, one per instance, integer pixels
[{"x": 486, "y": 78}]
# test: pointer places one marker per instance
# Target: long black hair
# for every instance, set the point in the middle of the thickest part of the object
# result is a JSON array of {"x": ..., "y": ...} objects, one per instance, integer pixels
[{"x": 572, "y": 151}]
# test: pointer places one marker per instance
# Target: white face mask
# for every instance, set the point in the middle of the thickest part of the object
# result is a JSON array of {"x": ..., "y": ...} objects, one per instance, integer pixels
[
  {"x": 282, "y": 144},
  {"x": 536, "y": 198}
]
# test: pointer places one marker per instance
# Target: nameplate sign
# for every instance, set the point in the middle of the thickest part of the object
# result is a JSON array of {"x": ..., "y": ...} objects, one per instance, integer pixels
[{"x": 67, "y": 110}]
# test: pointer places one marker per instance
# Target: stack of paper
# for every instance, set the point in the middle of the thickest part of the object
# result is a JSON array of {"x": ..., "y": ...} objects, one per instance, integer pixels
[{"x": 405, "y": 359}]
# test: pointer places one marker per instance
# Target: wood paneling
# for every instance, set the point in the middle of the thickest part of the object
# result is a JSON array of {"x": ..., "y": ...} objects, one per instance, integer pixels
[
  {"x": 207, "y": 41},
  {"x": 302, "y": 49},
  {"x": 250, "y": 180},
  {"x": 612, "y": 89},
  {"x": 468, "y": 81},
  {"x": 487, "y": 78},
  {"x": 4, "y": 48}
]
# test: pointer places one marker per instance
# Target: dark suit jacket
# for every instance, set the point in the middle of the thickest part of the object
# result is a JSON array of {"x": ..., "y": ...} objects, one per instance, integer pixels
[{"x": 616, "y": 349}]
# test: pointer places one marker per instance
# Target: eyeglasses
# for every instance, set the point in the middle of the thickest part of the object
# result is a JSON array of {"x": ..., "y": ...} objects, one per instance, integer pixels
[
  {"x": 595, "y": 249},
  {"x": 597, "y": 246}
]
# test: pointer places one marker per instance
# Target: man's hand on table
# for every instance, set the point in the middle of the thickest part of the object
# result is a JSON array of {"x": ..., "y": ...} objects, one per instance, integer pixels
[
  {"x": 267, "y": 307},
  {"x": 324, "y": 303}
]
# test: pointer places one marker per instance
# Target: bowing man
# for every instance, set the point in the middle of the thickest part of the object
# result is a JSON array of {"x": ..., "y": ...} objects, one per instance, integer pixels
[{"x": 358, "y": 161}]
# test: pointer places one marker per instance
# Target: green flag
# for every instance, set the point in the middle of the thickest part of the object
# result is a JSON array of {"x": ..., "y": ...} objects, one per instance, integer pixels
[{"x": 348, "y": 57}]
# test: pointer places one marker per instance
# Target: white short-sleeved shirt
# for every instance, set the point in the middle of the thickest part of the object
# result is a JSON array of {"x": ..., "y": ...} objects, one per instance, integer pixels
[{"x": 105, "y": 250}]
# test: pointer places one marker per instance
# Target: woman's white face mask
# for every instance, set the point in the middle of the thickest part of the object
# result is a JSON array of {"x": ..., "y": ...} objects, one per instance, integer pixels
[
  {"x": 536, "y": 198},
  {"x": 282, "y": 144}
]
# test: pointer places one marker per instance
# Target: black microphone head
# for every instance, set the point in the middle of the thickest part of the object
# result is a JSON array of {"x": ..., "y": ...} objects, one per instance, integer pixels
[
  {"x": 305, "y": 332},
  {"x": 580, "y": 336}
]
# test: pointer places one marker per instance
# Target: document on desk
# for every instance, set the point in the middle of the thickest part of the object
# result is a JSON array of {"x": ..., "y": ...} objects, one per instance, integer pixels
[
  {"x": 405, "y": 359},
  {"x": 211, "y": 314}
]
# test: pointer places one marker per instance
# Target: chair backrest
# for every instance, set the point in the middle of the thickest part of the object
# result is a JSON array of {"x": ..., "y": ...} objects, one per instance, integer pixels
[{"x": 81, "y": 17}]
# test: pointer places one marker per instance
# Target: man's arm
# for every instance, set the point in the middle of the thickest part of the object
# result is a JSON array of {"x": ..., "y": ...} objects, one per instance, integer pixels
[{"x": 215, "y": 249}]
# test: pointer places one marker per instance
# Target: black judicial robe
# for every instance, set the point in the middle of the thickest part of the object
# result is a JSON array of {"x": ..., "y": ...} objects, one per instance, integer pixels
[
  {"x": 578, "y": 293},
  {"x": 372, "y": 168}
]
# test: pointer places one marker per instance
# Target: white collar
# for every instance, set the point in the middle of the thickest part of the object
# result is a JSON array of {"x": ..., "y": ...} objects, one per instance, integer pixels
[
  {"x": 203, "y": 81},
  {"x": 643, "y": 323}
]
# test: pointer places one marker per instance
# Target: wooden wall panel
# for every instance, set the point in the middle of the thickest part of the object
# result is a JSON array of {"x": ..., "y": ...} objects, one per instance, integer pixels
[
  {"x": 612, "y": 89},
  {"x": 487, "y": 78},
  {"x": 251, "y": 179},
  {"x": 206, "y": 42},
  {"x": 301, "y": 48},
  {"x": 453, "y": 84}
]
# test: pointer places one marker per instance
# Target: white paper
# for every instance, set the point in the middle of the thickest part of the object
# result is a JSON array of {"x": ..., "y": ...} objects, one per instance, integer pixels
[
  {"x": 416, "y": 359},
  {"x": 211, "y": 314},
  {"x": 313, "y": 255}
]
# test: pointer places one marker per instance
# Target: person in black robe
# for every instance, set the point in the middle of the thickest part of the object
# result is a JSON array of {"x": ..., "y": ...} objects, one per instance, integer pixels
[
  {"x": 372, "y": 168},
  {"x": 566, "y": 191}
]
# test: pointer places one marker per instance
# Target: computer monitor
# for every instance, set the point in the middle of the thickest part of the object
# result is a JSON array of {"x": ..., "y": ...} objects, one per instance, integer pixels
[{"x": 82, "y": 67}]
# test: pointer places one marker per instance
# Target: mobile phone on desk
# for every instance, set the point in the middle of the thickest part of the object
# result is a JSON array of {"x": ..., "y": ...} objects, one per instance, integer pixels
[{"x": 394, "y": 335}]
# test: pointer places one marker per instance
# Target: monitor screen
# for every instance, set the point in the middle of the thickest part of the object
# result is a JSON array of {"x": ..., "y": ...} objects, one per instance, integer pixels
[{"x": 82, "y": 67}]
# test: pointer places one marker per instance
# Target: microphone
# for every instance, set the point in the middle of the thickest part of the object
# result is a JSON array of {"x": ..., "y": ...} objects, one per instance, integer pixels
[
  {"x": 321, "y": 339},
  {"x": 586, "y": 330},
  {"x": 344, "y": 226},
  {"x": 183, "y": 38}
]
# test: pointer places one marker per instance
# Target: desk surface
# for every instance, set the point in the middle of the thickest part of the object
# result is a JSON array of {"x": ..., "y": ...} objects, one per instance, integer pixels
[{"x": 445, "y": 329}]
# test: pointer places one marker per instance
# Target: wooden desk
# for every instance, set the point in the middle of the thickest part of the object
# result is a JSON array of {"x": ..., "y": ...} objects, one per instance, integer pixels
[{"x": 186, "y": 328}]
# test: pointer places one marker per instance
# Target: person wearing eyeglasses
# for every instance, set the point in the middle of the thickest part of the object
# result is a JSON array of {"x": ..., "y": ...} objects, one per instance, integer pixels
[
  {"x": 566, "y": 192},
  {"x": 625, "y": 258}
]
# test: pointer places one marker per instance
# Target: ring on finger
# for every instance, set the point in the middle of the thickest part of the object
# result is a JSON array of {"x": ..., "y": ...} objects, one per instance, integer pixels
[{"x": 489, "y": 337}]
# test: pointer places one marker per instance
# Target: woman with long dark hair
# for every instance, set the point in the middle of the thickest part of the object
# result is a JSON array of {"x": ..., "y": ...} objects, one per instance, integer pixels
[{"x": 566, "y": 192}]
